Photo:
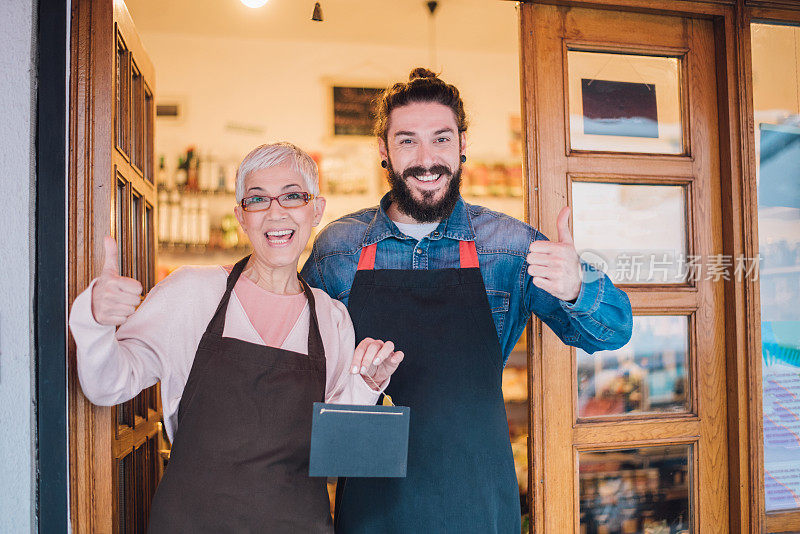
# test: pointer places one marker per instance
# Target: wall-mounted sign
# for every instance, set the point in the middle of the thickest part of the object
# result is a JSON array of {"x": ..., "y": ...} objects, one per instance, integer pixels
[{"x": 354, "y": 110}]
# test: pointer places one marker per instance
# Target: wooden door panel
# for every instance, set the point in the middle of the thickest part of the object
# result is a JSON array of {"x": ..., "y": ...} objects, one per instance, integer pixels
[
  {"x": 638, "y": 432},
  {"x": 550, "y": 33},
  {"x": 113, "y": 452},
  {"x": 137, "y": 426}
]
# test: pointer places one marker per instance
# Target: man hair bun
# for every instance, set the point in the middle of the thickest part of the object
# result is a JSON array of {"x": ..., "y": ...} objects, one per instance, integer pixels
[
  {"x": 421, "y": 72},
  {"x": 423, "y": 85}
]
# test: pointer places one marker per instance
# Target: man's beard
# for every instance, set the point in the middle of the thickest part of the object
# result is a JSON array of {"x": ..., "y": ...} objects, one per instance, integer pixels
[{"x": 426, "y": 210}]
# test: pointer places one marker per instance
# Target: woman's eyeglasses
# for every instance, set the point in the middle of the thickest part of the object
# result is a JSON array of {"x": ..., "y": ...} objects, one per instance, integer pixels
[{"x": 295, "y": 199}]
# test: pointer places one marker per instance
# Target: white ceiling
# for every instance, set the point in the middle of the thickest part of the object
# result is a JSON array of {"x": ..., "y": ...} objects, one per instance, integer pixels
[{"x": 485, "y": 25}]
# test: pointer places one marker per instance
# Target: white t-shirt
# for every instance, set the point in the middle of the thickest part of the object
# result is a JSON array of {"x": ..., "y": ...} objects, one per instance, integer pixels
[{"x": 417, "y": 230}]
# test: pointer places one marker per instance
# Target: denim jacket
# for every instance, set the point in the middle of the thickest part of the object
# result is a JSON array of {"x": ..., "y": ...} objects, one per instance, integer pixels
[{"x": 599, "y": 319}]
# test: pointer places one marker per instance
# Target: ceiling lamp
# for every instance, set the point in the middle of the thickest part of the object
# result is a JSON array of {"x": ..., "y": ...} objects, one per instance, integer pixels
[
  {"x": 432, "y": 5},
  {"x": 254, "y": 3},
  {"x": 317, "y": 14}
]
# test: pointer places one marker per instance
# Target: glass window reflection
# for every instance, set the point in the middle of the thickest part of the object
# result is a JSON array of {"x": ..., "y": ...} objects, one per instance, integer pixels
[
  {"x": 624, "y": 103},
  {"x": 636, "y": 233},
  {"x": 648, "y": 375},
  {"x": 635, "y": 490},
  {"x": 776, "y": 99}
]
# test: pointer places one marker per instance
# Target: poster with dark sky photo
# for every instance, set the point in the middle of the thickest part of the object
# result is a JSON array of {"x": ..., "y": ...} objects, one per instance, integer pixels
[{"x": 619, "y": 108}]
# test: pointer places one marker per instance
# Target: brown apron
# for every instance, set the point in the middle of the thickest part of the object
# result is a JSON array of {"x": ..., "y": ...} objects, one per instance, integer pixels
[{"x": 239, "y": 459}]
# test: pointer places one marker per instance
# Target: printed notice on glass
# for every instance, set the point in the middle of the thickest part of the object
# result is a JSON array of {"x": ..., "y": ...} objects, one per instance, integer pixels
[
  {"x": 781, "y": 397},
  {"x": 779, "y": 248}
]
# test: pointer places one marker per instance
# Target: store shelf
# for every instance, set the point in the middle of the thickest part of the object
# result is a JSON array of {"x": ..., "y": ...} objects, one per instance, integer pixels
[
  {"x": 186, "y": 248},
  {"x": 202, "y": 192},
  {"x": 171, "y": 256}
]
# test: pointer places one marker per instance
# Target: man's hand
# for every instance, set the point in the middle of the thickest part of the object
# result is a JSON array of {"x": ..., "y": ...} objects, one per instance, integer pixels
[
  {"x": 375, "y": 360},
  {"x": 555, "y": 266},
  {"x": 114, "y": 297}
]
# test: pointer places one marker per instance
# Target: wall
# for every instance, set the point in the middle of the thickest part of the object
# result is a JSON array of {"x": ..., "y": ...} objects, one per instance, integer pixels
[
  {"x": 237, "y": 91},
  {"x": 17, "y": 102},
  {"x": 279, "y": 89},
  {"x": 776, "y": 100},
  {"x": 776, "y": 61}
]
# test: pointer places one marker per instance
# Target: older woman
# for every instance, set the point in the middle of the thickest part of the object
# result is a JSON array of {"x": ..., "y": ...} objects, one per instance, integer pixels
[{"x": 241, "y": 354}]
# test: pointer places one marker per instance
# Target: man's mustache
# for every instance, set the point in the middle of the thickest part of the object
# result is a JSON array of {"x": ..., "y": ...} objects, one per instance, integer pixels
[{"x": 420, "y": 170}]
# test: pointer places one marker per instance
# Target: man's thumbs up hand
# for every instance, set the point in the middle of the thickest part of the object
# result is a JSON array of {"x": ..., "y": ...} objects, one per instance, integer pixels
[
  {"x": 555, "y": 266},
  {"x": 564, "y": 235},
  {"x": 114, "y": 297}
]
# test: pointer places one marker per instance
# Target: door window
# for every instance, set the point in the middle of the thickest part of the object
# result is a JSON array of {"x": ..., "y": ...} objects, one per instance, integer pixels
[
  {"x": 624, "y": 102},
  {"x": 776, "y": 105}
]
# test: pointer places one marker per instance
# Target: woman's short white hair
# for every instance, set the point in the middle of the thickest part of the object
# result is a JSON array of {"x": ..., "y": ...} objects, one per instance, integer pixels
[{"x": 274, "y": 155}]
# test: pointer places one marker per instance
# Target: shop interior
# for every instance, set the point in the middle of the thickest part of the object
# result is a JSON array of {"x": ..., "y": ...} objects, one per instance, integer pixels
[{"x": 230, "y": 77}]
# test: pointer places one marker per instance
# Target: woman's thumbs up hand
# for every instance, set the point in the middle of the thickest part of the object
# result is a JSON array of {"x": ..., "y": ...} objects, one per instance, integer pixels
[{"x": 114, "y": 297}]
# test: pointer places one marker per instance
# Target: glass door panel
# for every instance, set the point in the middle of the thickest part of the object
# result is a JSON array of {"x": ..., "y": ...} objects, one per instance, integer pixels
[
  {"x": 137, "y": 118},
  {"x": 624, "y": 103},
  {"x": 635, "y": 490},
  {"x": 122, "y": 97},
  {"x": 776, "y": 105},
  {"x": 648, "y": 375},
  {"x": 638, "y": 232}
]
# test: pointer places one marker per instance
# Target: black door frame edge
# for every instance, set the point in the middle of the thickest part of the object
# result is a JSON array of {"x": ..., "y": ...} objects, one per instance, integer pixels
[{"x": 50, "y": 273}]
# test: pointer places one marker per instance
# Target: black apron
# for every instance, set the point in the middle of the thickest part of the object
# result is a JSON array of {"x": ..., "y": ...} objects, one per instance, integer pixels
[
  {"x": 461, "y": 475},
  {"x": 239, "y": 459}
]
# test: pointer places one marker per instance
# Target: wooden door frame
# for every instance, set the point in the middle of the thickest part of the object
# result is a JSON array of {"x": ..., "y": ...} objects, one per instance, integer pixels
[
  {"x": 704, "y": 424},
  {"x": 780, "y": 11},
  {"x": 90, "y": 207},
  {"x": 95, "y": 27},
  {"x": 740, "y": 239}
]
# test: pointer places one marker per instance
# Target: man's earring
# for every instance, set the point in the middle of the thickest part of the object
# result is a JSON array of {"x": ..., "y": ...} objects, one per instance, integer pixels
[
  {"x": 463, "y": 158},
  {"x": 384, "y": 164}
]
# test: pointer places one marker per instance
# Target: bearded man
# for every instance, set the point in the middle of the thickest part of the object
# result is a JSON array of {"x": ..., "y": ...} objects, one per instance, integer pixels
[{"x": 453, "y": 285}]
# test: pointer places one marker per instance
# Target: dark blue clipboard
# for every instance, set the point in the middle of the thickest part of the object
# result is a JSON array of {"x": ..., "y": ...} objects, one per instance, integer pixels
[{"x": 359, "y": 441}]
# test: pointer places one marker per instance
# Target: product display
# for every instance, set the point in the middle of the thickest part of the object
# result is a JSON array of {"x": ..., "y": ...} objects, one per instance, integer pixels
[
  {"x": 635, "y": 491},
  {"x": 194, "y": 201}
]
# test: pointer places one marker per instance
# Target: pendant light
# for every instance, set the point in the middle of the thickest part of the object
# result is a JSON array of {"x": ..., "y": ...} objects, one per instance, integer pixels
[
  {"x": 254, "y": 3},
  {"x": 432, "y": 5},
  {"x": 317, "y": 15}
]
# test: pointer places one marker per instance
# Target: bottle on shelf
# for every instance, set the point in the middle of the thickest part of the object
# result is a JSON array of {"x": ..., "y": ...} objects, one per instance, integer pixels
[
  {"x": 220, "y": 178},
  {"x": 161, "y": 175},
  {"x": 185, "y": 229},
  {"x": 204, "y": 222},
  {"x": 230, "y": 178},
  {"x": 174, "y": 217},
  {"x": 163, "y": 215},
  {"x": 194, "y": 222},
  {"x": 205, "y": 173},
  {"x": 191, "y": 170},
  {"x": 181, "y": 173}
]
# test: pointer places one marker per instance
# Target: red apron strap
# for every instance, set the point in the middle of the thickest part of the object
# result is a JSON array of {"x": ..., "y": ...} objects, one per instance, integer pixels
[
  {"x": 468, "y": 253},
  {"x": 366, "y": 262},
  {"x": 466, "y": 249}
]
